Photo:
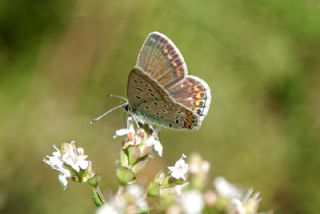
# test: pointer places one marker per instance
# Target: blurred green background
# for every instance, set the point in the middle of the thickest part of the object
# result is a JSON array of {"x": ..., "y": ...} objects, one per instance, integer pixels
[{"x": 59, "y": 58}]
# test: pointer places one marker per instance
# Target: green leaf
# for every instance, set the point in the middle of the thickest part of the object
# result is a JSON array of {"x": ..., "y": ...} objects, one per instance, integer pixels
[
  {"x": 94, "y": 181},
  {"x": 133, "y": 154},
  {"x": 140, "y": 164},
  {"x": 125, "y": 175},
  {"x": 123, "y": 158},
  {"x": 153, "y": 189},
  {"x": 171, "y": 182}
]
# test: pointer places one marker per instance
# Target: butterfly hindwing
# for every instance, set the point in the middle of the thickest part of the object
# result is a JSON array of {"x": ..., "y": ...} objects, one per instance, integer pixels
[
  {"x": 162, "y": 60},
  {"x": 193, "y": 93},
  {"x": 148, "y": 99},
  {"x": 169, "y": 115}
]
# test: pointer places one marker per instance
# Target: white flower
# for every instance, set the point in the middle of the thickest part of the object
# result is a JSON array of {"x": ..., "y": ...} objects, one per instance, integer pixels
[
  {"x": 152, "y": 141},
  {"x": 66, "y": 160},
  {"x": 226, "y": 189},
  {"x": 138, "y": 194},
  {"x": 135, "y": 190},
  {"x": 236, "y": 207},
  {"x": 191, "y": 202},
  {"x": 73, "y": 159},
  {"x": 126, "y": 131},
  {"x": 63, "y": 179},
  {"x": 107, "y": 209},
  {"x": 198, "y": 165},
  {"x": 242, "y": 200},
  {"x": 56, "y": 163},
  {"x": 121, "y": 132},
  {"x": 180, "y": 169},
  {"x": 114, "y": 206},
  {"x": 179, "y": 188}
]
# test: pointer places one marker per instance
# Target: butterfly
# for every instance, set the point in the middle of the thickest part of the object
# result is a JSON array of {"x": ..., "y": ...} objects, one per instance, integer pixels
[{"x": 160, "y": 91}]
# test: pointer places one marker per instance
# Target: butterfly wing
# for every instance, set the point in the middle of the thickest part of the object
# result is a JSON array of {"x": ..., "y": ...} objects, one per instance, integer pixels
[
  {"x": 150, "y": 101},
  {"x": 162, "y": 60},
  {"x": 193, "y": 93}
]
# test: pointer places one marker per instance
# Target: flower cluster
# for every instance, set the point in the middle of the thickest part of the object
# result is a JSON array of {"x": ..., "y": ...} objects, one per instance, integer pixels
[
  {"x": 132, "y": 200},
  {"x": 139, "y": 146},
  {"x": 197, "y": 195},
  {"x": 70, "y": 162},
  {"x": 184, "y": 187}
]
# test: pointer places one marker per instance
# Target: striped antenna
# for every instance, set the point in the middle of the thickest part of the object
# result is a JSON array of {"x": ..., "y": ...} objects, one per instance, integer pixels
[
  {"x": 107, "y": 112},
  {"x": 111, "y": 110}
]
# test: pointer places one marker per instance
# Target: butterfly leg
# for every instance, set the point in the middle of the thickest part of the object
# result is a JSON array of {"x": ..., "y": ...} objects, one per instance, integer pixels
[
  {"x": 155, "y": 129},
  {"x": 136, "y": 120}
]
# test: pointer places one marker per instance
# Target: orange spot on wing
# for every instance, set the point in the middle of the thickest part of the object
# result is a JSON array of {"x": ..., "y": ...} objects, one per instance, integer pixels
[
  {"x": 186, "y": 125},
  {"x": 174, "y": 63},
  {"x": 196, "y": 88},
  {"x": 198, "y": 102}
]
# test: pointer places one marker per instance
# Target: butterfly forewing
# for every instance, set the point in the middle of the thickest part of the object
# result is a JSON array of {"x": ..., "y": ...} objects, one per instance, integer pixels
[{"x": 162, "y": 60}]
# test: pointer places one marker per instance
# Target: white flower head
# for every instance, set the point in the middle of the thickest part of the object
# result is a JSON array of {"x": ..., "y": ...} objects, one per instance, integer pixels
[
  {"x": 126, "y": 131},
  {"x": 226, "y": 189},
  {"x": 121, "y": 132},
  {"x": 191, "y": 202},
  {"x": 198, "y": 165},
  {"x": 68, "y": 161},
  {"x": 180, "y": 169},
  {"x": 134, "y": 137},
  {"x": 137, "y": 192},
  {"x": 72, "y": 158},
  {"x": 114, "y": 206},
  {"x": 179, "y": 188},
  {"x": 107, "y": 209},
  {"x": 153, "y": 141},
  {"x": 236, "y": 207}
]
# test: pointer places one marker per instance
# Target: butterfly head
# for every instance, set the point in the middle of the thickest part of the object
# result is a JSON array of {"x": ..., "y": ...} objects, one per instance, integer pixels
[{"x": 127, "y": 107}]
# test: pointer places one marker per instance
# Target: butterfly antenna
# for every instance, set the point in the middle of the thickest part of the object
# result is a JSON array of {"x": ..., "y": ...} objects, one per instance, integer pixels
[
  {"x": 107, "y": 112},
  {"x": 117, "y": 96}
]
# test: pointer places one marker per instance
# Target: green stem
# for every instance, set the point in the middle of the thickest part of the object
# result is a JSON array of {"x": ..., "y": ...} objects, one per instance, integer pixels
[
  {"x": 98, "y": 197},
  {"x": 120, "y": 190}
]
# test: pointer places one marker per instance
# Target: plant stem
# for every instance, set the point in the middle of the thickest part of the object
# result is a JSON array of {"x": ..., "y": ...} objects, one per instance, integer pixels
[{"x": 98, "y": 197}]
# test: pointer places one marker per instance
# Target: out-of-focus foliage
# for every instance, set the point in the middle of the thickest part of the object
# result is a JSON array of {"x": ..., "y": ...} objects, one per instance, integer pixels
[{"x": 58, "y": 59}]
